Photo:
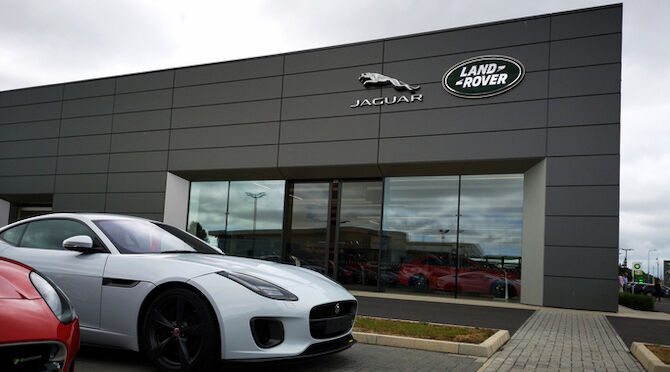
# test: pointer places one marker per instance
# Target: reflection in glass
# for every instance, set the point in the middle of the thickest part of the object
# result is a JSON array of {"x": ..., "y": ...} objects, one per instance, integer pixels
[
  {"x": 419, "y": 229},
  {"x": 358, "y": 238},
  {"x": 243, "y": 218},
  {"x": 255, "y": 216},
  {"x": 308, "y": 238},
  {"x": 207, "y": 210},
  {"x": 491, "y": 224}
]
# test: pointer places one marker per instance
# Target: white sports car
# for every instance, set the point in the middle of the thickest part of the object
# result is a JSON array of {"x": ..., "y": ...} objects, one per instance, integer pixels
[{"x": 147, "y": 286}]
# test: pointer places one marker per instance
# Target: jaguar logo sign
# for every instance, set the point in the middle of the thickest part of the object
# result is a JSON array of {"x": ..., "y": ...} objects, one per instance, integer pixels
[
  {"x": 373, "y": 79},
  {"x": 483, "y": 76}
]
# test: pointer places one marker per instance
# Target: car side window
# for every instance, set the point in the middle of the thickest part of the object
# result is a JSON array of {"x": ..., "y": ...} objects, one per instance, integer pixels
[
  {"x": 13, "y": 235},
  {"x": 49, "y": 234}
]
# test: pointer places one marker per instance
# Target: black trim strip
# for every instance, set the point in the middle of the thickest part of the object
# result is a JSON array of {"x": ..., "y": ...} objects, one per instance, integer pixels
[
  {"x": 123, "y": 283},
  {"x": 314, "y": 350}
]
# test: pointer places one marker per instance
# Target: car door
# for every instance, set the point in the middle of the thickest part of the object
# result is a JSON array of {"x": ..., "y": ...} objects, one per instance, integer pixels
[{"x": 78, "y": 274}]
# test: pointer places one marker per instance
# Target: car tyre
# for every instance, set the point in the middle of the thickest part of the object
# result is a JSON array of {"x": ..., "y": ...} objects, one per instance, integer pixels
[
  {"x": 180, "y": 333},
  {"x": 419, "y": 282},
  {"x": 498, "y": 289}
]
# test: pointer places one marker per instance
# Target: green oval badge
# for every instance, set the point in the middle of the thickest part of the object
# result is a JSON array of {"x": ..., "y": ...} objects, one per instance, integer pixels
[{"x": 483, "y": 76}]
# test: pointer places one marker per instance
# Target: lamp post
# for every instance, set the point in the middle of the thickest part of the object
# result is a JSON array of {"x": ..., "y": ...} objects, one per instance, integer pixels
[
  {"x": 255, "y": 196},
  {"x": 625, "y": 258},
  {"x": 649, "y": 266}
]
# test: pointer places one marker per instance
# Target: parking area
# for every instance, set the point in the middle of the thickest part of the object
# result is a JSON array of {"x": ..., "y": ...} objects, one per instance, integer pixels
[{"x": 359, "y": 357}]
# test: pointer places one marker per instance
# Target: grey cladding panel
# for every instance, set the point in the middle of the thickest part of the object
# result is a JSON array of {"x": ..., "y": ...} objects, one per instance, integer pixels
[
  {"x": 140, "y": 141},
  {"x": 27, "y": 166},
  {"x": 27, "y": 185},
  {"x": 428, "y": 70},
  {"x": 594, "y": 263},
  {"x": 83, "y": 164},
  {"x": 328, "y": 153},
  {"x": 146, "y": 81},
  {"x": 585, "y": 110},
  {"x": 23, "y": 131},
  {"x": 330, "y": 129},
  {"x": 586, "y": 51},
  {"x": 472, "y": 38},
  {"x": 135, "y": 202},
  {"x": 600, "y": 79},
  {"x": 31, "y": 95},
  {"x": 26, "y": 149},
  {"x": 456, "y": 147},
  {"x": 79, "y": 203},
  {"x": 88, "y": 106},
  {"x": 139, "y": 121},
  {"x": 504, "y": 116},
  {"x": 86, "y": 125},
  {"x": 532, "y": 87},
  {"x": 582, "y": 231},
  {"x": 235, "y": 70},
  {"x": 328, "y": 105},
  {"x": 90, "y": 88},
  {"x": 352, "y": 55},
  {"x": 36, "y": 112},
  {"x": 143, "y": 101},
  {"x": 580, "y": 293},
  {"x": 582, "y": 201},
  {"x": 591, "y": 140},
  {"x": 329, "y": 81},
  {"x": 136, "y": 182},
  {"x": 84, "y": 145},
  {"x": 234, "y": 113},
  {"x": 138, "y": 161},
  {"x": 236, "y": 91},
  {"x": 591, "y": 22},
  {"x": 583, "y": 170},
  {"x": 81, "y": 183},
  {"x": 224, "y": 136},
  {"x": 224, "y": 158}
]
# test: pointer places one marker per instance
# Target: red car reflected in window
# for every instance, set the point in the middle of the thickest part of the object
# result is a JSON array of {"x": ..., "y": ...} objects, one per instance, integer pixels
[{"x": 40, "y": 330}]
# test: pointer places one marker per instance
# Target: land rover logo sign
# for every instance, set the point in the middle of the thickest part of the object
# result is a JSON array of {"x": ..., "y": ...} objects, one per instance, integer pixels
[{"x": 483, "y": 76}]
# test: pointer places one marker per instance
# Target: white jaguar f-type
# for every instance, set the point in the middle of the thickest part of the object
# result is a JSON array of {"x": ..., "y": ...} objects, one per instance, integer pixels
[{"x": 147, "y": 286}]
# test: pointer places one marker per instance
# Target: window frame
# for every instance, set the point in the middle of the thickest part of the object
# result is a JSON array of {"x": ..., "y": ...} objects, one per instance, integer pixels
[{"x": 97, "y": 242}]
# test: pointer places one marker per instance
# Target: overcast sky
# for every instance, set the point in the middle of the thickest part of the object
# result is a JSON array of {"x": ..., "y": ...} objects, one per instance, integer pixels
[{"x": 45, "y": 42}]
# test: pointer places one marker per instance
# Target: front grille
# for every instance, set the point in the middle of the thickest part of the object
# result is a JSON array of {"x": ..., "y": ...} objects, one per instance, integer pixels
[
  {"x": 332, "y": 319},
  {"x": 33, "y": 356}
]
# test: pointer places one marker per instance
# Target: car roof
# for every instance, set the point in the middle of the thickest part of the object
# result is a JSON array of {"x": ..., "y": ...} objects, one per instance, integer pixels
[{"x": 80, "y": 216}]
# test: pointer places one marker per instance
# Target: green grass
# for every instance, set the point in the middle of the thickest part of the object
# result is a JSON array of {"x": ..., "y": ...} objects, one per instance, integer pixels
[{"x": 422, "y": 330}]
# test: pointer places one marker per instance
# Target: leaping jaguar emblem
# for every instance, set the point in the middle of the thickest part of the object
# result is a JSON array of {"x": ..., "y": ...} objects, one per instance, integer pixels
[{"x": 375, "y": 79}]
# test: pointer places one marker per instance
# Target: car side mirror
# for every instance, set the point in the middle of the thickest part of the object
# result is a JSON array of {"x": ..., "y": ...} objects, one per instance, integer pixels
[{"x": 79, "y": 243}]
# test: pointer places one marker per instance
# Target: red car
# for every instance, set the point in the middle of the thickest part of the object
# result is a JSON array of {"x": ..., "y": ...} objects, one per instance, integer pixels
[{"x": 39, "y": 328}]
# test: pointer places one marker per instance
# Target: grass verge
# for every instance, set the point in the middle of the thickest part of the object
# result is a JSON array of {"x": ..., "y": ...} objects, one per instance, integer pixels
[
  {"x": 662, "y": 352},
  {"x": 422, "y": 330}
]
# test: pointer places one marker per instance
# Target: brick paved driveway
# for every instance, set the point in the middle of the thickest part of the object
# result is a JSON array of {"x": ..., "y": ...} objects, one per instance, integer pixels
[{"x": 360, "y": 357}]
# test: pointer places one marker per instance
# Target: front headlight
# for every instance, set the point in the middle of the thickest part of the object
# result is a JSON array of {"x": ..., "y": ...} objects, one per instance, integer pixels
[
  {"x": 260, "y": 286},
  {"x": 54, "y": 297}
]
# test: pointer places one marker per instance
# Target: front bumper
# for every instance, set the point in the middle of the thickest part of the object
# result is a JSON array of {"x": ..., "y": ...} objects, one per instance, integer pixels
[
  {"x": 236, "y": 305},
  {"x": 314, "y": 350}
]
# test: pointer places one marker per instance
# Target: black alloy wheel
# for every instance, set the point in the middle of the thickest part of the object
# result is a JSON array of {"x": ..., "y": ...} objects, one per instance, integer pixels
[
  {"x": 498, "y": 289},
  {"x": 179, "y": 332},
  {"x": 419, "y": 282}
]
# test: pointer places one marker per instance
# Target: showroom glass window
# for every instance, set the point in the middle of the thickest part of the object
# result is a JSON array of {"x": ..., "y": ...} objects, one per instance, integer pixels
[
  {"x": 243, "y": 218},
  {"x": 490, "y": 235},
  {"x": 436, "y": 227},
  {"x": 419, "y": 229}
]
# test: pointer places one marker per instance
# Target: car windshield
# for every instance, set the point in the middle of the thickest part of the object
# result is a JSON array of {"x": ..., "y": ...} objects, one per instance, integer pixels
[{"x": 138, "y": 237}]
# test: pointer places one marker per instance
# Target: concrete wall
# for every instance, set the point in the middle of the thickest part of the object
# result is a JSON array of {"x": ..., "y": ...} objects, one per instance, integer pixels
[{"x": 108, "y": 144}]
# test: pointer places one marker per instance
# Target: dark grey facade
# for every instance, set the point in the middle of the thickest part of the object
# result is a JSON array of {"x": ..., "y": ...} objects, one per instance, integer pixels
[{"x": 108, "y": 144}]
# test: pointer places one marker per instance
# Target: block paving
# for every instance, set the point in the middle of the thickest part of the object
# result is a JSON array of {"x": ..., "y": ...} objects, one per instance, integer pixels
[{"x": 553, "y": 340}]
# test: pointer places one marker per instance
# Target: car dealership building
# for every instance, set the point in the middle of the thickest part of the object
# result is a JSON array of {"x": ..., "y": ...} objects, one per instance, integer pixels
[{"x": 480, "y": 161}]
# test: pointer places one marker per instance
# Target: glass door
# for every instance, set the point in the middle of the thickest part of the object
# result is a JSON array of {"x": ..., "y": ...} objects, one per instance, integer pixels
[
  {"x": 307, "y": 206},
  {"x": 358, "y": 233}
]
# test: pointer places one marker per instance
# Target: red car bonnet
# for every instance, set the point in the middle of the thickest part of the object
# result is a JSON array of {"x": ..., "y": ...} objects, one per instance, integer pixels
[{"x": 15, "y": 281}]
